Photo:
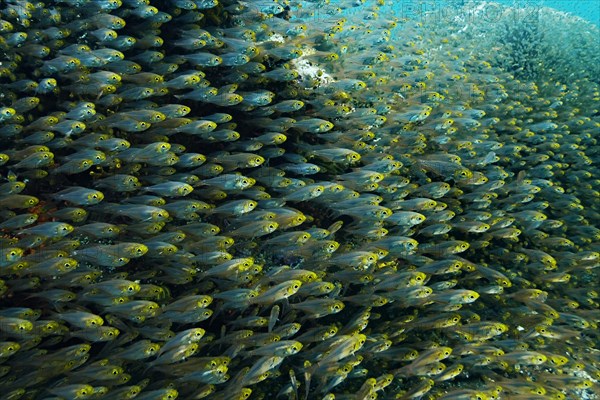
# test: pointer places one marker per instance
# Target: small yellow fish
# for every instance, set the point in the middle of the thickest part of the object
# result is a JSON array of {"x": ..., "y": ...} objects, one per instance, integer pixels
[{"x": 278, "y": 292}]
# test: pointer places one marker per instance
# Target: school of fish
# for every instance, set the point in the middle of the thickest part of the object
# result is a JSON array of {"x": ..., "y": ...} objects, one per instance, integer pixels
[{"x": 298, "y": 199}]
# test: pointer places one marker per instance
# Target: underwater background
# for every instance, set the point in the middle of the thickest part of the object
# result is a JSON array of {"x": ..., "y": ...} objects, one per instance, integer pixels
[
  {"x": 299, "y": 199},
  {"x": 586, "y": 9}
]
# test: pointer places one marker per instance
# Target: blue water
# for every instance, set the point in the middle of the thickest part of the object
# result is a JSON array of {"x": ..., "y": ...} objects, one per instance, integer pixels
[{"x": 587, "y": 9}]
